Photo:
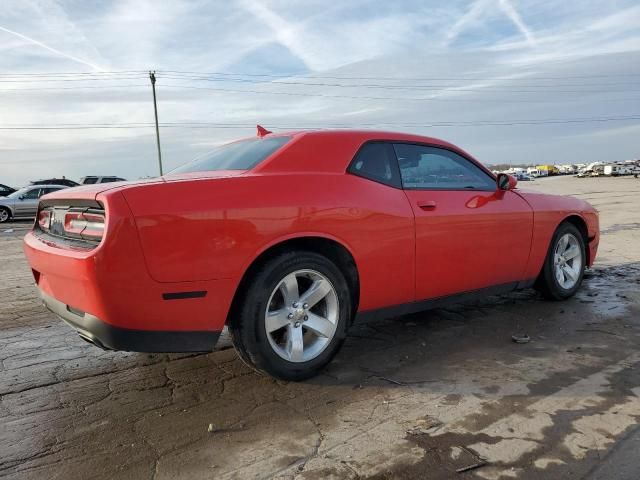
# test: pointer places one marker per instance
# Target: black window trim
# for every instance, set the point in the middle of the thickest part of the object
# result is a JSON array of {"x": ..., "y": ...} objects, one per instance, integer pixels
[
  {"x": 36, "y": 187},
  {"x": 440, "y": 147},
  {"x": 352, "y": 171}
]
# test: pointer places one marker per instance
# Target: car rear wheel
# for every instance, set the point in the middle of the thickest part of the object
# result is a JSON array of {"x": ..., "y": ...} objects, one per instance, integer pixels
[
  {"x": 5, "y": 215},
  {"x": 293, "y": 317},
  {"x": 564, "y": 266}
]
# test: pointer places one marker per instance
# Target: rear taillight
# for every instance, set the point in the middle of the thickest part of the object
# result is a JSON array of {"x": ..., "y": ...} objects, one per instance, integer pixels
[
  {"x": 75, "y": 223},
  {"x": 87, "y": 225},
  {"x": 44, "y": 219}
]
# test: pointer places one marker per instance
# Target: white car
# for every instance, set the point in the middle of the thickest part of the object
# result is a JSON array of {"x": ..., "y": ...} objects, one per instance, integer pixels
[{"x": 91, "y": 179}]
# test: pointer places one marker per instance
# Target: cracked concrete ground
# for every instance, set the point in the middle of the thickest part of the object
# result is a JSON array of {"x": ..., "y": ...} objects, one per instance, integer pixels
[{"x": 421, "y": 396}]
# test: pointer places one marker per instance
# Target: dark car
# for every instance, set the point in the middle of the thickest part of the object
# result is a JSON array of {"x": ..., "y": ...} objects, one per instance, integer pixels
[
  {"x": 6, "y": 190},
  {"x": 56, "y": 181}
]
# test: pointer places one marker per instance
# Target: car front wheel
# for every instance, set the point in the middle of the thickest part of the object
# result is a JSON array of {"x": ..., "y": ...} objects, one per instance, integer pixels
[
  {"x": 293, "y": 317},
  {"x": 564, "y": 266}
]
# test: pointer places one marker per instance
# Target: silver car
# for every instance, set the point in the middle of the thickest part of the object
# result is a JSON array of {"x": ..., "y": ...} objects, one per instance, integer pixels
[{"x": 24, "y": 202}]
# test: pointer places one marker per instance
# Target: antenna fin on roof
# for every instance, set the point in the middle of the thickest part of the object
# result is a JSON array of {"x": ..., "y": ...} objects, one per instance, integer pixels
[{"x": 262, "y": 131}]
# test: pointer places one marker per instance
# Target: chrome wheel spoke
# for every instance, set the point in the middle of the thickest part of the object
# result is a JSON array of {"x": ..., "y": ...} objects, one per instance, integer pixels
[
  {"x": 289, "y": 289},
  {"x": 562, "y": 244},
  {"x": 317, "y": 291},
  {"x": 319, "y": 325},
  {"x": 570, "y": 272},
  {"x": 572, "y": 252},
  {"x": 276, "y": 319},
  {"x": 295, "y": 343}
]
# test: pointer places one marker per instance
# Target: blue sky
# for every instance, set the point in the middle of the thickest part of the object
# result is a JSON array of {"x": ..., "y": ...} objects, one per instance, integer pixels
[{"x": 404, "y": 65}]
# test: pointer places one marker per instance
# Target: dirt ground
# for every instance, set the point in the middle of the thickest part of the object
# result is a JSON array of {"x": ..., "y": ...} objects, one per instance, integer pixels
[{"x": 440, "y": 394}]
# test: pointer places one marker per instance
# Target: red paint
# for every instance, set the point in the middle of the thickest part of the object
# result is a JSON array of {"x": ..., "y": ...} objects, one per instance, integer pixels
[{"x": 202, "y": 231}]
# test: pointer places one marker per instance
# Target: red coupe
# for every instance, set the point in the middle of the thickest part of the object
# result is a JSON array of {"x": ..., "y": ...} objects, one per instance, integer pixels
[{"x": 287, "y": 238}]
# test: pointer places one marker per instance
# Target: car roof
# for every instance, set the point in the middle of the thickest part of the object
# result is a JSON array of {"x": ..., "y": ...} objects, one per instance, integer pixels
[{"x": 333, "y": 150}]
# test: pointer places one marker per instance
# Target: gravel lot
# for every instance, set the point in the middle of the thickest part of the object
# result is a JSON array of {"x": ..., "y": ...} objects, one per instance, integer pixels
[{"x": 420, "y": 396}]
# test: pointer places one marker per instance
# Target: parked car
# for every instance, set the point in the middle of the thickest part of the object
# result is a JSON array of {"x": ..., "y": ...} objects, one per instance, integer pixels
[
  {"x": 285, "y": 238},
  {"x": 56, "y": 181},
  {"x": 95, "y": 179},
  {"x": 6, "y": 190},
  {"x": 23, "y": 203},
  {"x": 523, "y": 177}
]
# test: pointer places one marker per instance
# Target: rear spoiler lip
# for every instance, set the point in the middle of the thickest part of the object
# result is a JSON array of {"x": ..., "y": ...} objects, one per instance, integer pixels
[{"x": 70, "y": 202}]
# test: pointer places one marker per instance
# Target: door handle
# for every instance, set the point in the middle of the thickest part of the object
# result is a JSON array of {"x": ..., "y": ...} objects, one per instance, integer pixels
[{"x": 427, "y": 204}]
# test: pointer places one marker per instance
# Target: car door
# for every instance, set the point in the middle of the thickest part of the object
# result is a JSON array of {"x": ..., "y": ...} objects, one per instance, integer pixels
[
  {"x": 27, "y": 204},
  {"x": 469, "y": 235}
]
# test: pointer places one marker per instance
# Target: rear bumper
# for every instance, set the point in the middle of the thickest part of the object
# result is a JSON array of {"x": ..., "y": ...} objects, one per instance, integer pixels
[
  {"x": 106, "y": 336},
  {"x": 120, "y": 305}
]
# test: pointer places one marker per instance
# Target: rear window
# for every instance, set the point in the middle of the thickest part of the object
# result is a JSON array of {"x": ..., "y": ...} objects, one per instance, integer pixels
[{"x": 242, "y": 155}]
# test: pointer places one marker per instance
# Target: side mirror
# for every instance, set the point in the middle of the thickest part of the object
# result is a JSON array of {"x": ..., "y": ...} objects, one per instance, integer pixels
[
  {"x": 506, "y": 182},
  {"x": 22, "y": 197}
]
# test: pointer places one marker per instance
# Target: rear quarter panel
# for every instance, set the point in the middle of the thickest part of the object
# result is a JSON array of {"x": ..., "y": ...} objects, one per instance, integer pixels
[{"x": 214, "y": 228}]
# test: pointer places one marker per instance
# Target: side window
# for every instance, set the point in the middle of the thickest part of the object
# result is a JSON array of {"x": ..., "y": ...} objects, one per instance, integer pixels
[
  {"x": 376, "y": 161},
  {"x": 48, "y": 190},
  {"x": 32, "y": 194},
  {"x": 432, "y": 168},
  {"x": 90, "y": 180}
]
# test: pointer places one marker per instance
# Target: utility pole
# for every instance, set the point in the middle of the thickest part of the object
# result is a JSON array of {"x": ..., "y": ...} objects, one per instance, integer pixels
[{"x": 152, "y": 76}]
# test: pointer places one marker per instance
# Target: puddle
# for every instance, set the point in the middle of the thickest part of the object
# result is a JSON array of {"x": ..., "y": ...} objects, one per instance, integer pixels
[{"x": 609, "y": 291}]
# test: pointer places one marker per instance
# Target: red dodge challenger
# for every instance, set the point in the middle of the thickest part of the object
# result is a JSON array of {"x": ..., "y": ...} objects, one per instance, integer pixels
[{"x": 286, "y": 238}]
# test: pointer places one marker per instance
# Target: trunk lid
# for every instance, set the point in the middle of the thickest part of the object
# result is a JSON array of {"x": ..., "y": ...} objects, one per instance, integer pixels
[{"x": 90, "y": 192}]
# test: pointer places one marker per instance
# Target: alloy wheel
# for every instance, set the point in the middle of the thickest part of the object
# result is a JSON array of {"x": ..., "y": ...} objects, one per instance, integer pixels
[
  {"x": 302, "y": 315},
  {"x": 567, "y": 261}
]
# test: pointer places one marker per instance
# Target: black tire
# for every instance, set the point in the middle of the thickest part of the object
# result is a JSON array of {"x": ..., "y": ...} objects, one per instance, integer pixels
[
  {"x": 547, "y": 283},
  {"x": 247, "y": 326},
  {"x": 4, "y": 218}
]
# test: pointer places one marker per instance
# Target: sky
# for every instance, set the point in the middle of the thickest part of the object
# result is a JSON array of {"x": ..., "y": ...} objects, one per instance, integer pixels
[{"x": 510, "y": 81}]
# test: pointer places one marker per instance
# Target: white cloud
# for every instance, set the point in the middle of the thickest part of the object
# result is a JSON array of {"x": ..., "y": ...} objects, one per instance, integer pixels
[
  {"x": 51, "y": 49},
  {"x": 503, "y": 52},
  {"x": 509, "y": 10}
]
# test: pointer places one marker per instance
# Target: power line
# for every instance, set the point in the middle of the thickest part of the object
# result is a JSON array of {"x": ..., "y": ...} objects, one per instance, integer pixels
[
  {"x": 502, "y": 88},
  {"x": 314, "y": 76},
  {"x": 356, "y": 97},
  {"x": 634, "y": 74},
  {"x": 2, "y": 80},
  {"x": 475, "y": 123},
  {"x": 538, "y": 88}
]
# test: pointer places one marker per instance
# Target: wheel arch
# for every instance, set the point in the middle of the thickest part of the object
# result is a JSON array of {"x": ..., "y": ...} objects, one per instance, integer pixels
[
  {"x": 580, "y": 223},
  {"x": 331, "y": 248}
]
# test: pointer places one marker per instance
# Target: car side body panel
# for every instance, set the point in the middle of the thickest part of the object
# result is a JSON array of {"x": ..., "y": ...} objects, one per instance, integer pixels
[
  {"x": 215, "y": 228},
  {"x": 467, "y": 240}
]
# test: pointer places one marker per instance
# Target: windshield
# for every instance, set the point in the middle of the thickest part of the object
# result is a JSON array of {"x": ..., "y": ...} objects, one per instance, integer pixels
[
  {"x": 242, "y": 155},
  {"x": 18, "y": 193}
]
